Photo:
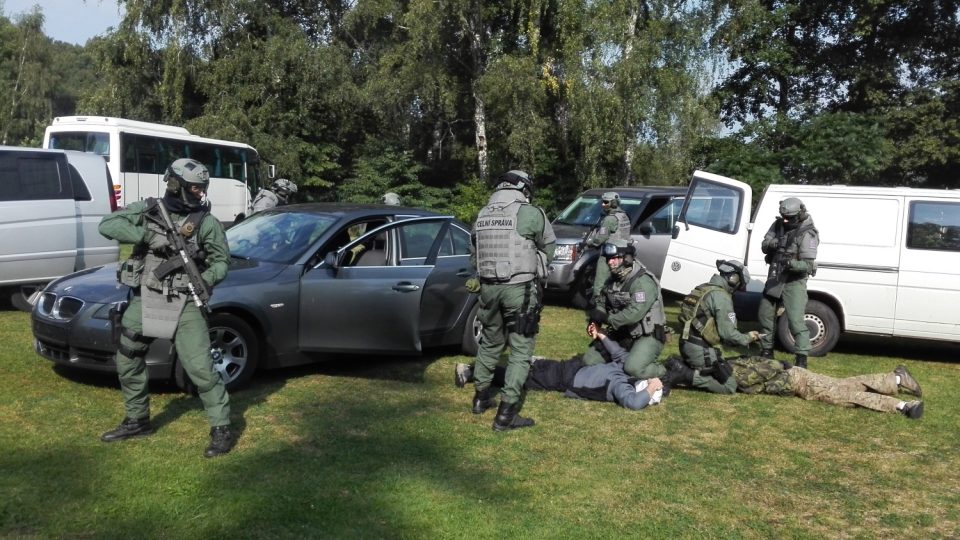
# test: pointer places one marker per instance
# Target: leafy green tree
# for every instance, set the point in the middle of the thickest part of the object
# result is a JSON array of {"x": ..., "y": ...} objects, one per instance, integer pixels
[{"x": 25, "y": 80}]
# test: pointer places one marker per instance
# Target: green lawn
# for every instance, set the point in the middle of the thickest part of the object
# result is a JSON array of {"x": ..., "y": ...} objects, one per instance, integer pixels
[{"x": 387, "y": 448}]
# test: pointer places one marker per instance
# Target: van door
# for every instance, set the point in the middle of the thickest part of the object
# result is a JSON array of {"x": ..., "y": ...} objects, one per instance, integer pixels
[
  {"x": 38, "y": 221},
  {"x": 712, "y": 225},
  {"x": 929, "y": 271}
]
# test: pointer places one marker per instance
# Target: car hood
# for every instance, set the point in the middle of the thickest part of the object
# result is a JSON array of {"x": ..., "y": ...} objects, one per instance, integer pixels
[
  {"x": 100, "y": 284},
  {"x": 569, "y": 234}
]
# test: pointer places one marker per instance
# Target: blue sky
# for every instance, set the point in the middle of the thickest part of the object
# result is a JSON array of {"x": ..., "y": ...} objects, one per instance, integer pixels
[{"x": 72, "y": 21}]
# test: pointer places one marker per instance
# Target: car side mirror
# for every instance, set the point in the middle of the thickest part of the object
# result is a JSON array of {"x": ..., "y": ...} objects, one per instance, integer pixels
[
  {"x": 646, "y": 228},
  {"x": 330, "y": 259},
  {"x": 676, "y": 232}
]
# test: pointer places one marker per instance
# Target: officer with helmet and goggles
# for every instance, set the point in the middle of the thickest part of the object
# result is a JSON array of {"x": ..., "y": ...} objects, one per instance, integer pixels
[
  {"x": 790, "y": 246},
  {"x": 162, "y": 298},
  {"x": 614, "y": 224},
  {"x": 630, "y": 308},
  {"x": 277, "y": 195},
  {"x": 709, "y": 322}
]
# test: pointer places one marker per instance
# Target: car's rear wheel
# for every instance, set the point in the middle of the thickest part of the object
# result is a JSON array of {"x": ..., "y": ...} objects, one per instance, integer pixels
[
  {"x": 823, "y": 325},
  {"x": 235, "y": 350},
  {"x": 471, "y": 332}
]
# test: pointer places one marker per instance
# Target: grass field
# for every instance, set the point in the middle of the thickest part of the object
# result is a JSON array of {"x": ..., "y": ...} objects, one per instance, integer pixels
[{"x": 387, "y": 448}]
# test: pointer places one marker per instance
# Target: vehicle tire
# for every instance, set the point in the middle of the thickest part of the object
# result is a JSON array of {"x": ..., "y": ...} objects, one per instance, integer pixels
[
  {"x": 582, "y": 291},
  {"x": 471, "y": 332},
  {"x": 20, "y": 296},
  {"x": 824, "y": 329},
  {"x": 235, "y": 349}
]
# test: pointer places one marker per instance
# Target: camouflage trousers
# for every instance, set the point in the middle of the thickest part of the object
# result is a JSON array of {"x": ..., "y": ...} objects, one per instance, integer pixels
[{"x": 868, "y": 391}]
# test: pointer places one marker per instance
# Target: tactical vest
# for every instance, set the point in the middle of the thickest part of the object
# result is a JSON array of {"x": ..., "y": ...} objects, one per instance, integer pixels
[
  {"x": 503, "y": 256},
  {"x": 176, "y": 282},
  {"x": 619, "y": 297},
  {"x": 623, "y": 226},
  {"x": 791, "y": 240},
  {"x": 703, "y": 324}
]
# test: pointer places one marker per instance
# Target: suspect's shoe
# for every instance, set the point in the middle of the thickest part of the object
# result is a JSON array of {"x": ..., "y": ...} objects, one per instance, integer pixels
[
  {"x": 482, "y": 401},
  {"x": 127, "y": 429},
  {"x": 913, "y": 409},
  {"x": 767, "y": 353},
  {"x": 221, "y": 441},
  {"x": 907, "y": 383},
  {"x": 508, "y": 418},
  {"x": 462, "y": 374}
]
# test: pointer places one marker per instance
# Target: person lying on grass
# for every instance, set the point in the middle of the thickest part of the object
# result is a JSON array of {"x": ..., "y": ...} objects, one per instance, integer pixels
[{"x": 600, "y": 382}]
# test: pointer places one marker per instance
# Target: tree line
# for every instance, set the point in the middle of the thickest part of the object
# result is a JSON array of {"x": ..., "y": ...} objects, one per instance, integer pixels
[{"x": 434, "y": 98}]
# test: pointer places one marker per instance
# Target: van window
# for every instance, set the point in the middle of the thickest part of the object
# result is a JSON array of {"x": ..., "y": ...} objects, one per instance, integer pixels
[
  {"x": 713, "y": 206},
  {"x": 27, "y": 178},
  {"x": 80, "y": 191},
  {"x": 934, "y": 226}
]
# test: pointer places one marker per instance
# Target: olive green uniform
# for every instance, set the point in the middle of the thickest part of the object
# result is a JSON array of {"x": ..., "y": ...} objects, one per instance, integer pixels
[
  {"x": 792, "y": 257},
  {"x": 756, "y": 375},
  {"x": 609, "y": 227},
  {"x": 501, "y": 304},
  {"x": 192, "y": 337},
  {"x": 626, "y": 308},
  {"x": 698, "y": 352}
]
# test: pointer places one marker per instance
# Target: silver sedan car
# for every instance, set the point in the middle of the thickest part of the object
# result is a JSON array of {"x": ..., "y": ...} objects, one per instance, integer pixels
[{"x": 304, "y": 280}]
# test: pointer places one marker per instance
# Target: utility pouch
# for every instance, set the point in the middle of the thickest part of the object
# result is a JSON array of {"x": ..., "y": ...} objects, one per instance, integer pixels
[
  {"x": 660, "y": 333},
  {"x": 115, "y": 315},
  {"x": 130, "y": 272},
  {"x": 528, "y": 324}
]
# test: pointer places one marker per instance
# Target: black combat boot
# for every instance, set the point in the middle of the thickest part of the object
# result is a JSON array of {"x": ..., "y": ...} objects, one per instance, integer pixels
[
  {"x": 221, "y": 441},
  {"x": 127, "y": 429},
  {"x": 482, "y": 401},
  {"x": 508, "y": 418},
  {"x": 767, "y": 353},
  {"x": 678, "y": 373},
  {"x": 800, "y": 361},
  {"x": 913, "y": 409}
]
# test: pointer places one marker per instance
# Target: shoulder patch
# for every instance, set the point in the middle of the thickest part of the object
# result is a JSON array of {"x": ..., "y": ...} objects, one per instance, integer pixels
[
  {"x": 639, "y": 297},
  {"x": 733, "y": 317},
  {"x": 603, "y": 230}
]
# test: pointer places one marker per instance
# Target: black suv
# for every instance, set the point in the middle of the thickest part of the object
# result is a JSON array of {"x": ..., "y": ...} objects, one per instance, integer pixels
[{"x": 652, "y": 211}]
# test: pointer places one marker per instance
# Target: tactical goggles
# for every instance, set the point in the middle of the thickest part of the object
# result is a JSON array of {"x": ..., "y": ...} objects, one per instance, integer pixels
[
  {"x": 791, "y": 219},
  {"x": 611, "y": 250}
]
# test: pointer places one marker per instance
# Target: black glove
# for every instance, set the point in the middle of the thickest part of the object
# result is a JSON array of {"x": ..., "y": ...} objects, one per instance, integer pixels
[
  {"x": 721, "y": 371},
  {"x": 597, "y": 315}
]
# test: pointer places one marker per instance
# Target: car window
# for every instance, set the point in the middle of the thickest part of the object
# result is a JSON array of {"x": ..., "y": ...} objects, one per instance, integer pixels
[
  {"x": 455, "y": 242},
  {"x": 276, "y": 237},
  {"x": 934, "y": 225},
  {"x": 416, "y": 239},
  {"x": 26, "y": 178},
  {"x": 587, "y": 210},
  {"x": 662, "y": 220},
  {"x": 713, "y": 206}
]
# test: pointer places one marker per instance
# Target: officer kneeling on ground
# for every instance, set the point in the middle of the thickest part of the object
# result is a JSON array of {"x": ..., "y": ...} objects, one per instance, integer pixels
[
  {"x": 160, "y": 303},
  {"x": 709, "y": 322},
  {"x": 631, "y": 308}
]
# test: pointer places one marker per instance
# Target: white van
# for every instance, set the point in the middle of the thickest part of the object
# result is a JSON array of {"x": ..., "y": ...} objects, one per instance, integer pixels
[
  {"x": 888, "y": 262},
  {"x": 51, "y": 204}
]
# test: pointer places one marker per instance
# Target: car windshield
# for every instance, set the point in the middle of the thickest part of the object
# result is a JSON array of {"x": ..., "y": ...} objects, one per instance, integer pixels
[
  {"x": 586, "y": 210},
  {"x": 279, "y": 237}
]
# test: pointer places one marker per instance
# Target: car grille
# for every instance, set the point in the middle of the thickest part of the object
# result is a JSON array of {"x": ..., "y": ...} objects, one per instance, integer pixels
[
  {"x": 61, "y": 353},
  {"x": 62, "y": 308}
]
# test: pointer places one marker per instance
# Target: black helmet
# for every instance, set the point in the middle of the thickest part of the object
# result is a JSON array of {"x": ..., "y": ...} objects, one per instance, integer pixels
[
  {"x": 734, "y": 272},
  {"x": 616, "y": 247},
  {"x": 184, "y": 173},
  {"x": 516, "y": 179}
]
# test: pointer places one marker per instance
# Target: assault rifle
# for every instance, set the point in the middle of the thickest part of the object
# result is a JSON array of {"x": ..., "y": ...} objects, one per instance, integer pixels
[{"x": 198, "y": 288}]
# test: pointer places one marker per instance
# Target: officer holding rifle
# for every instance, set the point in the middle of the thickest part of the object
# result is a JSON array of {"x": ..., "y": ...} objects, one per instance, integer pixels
[{"x": 179, "y": 253}]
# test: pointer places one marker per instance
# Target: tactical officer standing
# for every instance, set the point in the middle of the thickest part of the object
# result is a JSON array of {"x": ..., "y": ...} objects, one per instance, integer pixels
[
  {"x": 615, "y": 223},
  {"x": 791, "y": 249},
  {"x": 631, "y": 307},
  {"x": 277, "y": 195},
  {"x": 513, "y": 242},
  {"x": 709, "y": 321},
  {"x": 160, "y": 303}
]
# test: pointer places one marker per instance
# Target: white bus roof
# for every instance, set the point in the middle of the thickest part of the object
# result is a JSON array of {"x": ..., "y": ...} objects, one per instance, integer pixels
[{"x": 64, "y": 123}]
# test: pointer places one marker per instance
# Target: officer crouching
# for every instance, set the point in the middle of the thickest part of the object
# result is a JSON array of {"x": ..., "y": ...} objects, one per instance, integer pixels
[{"x": 163, "y": 298}]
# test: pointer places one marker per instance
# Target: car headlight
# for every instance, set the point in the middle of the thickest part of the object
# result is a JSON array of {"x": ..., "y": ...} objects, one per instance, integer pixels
[{"x": 565, "y": 253}]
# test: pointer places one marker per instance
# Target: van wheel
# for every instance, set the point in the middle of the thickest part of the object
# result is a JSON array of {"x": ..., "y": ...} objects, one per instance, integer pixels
[
  {"x": 824, "y": 327},
  {"x": 582, "y": 290},
  {"x": 471, "y": 332},
  {"x": 235, "y": 351}
]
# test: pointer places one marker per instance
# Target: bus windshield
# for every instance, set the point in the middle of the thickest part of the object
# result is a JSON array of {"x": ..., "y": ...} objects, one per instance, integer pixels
[{"x": 82, "y": 141}]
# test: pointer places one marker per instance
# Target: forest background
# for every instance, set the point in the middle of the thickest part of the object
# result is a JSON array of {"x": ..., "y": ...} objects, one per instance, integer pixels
[{"x": 434, "y": 98}]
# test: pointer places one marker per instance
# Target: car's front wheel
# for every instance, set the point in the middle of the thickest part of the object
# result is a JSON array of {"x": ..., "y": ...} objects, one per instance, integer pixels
[{"x": 235, "y": 350}]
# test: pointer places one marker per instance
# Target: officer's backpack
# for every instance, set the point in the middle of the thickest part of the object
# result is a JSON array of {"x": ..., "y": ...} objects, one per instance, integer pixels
[{"x": 691, "y": 316}]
